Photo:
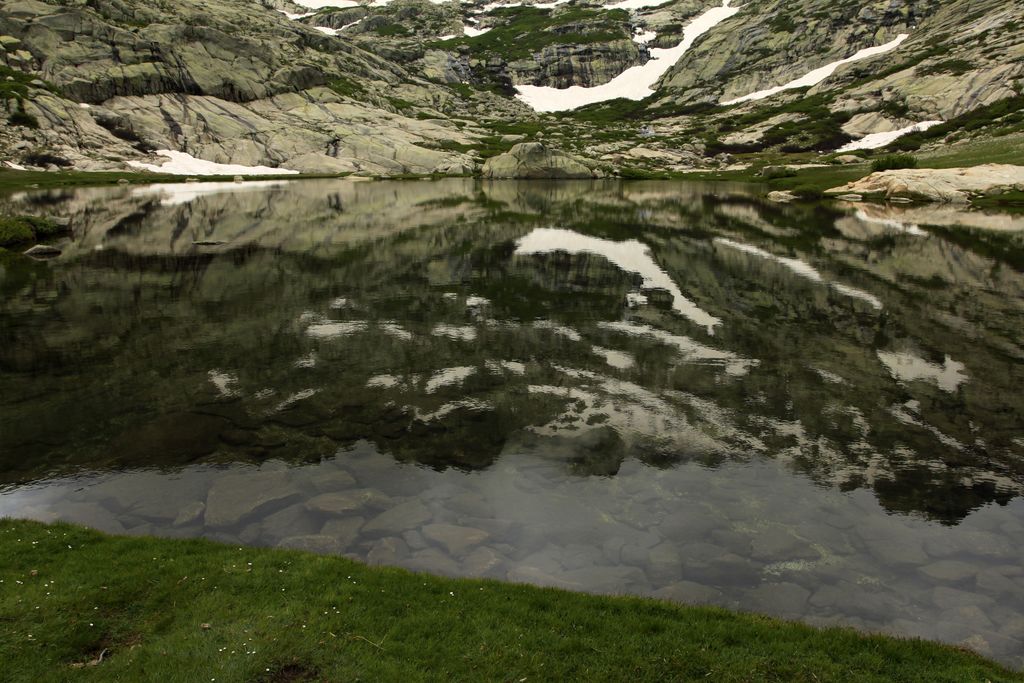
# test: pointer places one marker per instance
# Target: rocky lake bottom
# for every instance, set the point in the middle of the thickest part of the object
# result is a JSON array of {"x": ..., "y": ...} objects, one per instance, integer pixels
[{"x": 654, "y": 388}]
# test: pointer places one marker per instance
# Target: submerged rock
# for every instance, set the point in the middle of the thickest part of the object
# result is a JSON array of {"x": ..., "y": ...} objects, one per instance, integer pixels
[
  {"x": 237, "y": 496},
  {"x": 456, "y": 539},
  {"x": 535, "y": 160}
]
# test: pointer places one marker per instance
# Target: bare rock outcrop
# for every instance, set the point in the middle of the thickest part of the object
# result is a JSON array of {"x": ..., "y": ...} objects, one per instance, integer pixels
[
  {"x": 947, "y": 185},
  {"x": 535, "y": 160}
]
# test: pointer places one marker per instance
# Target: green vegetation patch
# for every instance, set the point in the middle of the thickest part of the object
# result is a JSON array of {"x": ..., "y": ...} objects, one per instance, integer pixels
[
  {"x": 817, "y": 129},
  {"x": 894, "y": 161},
  {"x": 527, "y": 30},
  {"x": 79, "y": 605},
  {"x": 17, "y": 87},
  {"x": 21, "y": 229},
  {"x": 1003, "y": 117}
]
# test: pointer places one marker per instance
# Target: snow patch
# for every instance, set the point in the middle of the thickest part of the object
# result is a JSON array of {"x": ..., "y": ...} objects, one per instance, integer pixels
[
  {"x": 642, "y": 37},
  {"x": 876, "y": 140},
  {"x": 321, "y": 4},
  {"x": 449, "y": 376},
  {"x": 471, "y": 32},
  {"x": 909, "y": 228},
  {"x": 502, "y": 366},
  {"x": 333, "y": 330},
  {"x": 821, "y": 73},
  {"x": 635, "y": 83},
  {"x": 175, "y": 194},
  {"x": 382, "y": 382},
  {"x": 906, "y": 367},
  {"x": 689, "y": 350},
  {"x": 560, "y": 330},
  {"x": 16, "y": 167},
  {"x": 803, "y": 270},
  {"x": 182, "y": 163},
  {"x": 620, "y": 360},
  {"x": 224, "y": 383},
  {"x": 631, "y": 256},
  {"x": 464, "y": 333}
]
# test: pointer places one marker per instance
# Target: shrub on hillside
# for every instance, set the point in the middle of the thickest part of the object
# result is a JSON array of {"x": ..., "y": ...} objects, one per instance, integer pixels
[
  {"x": 776, "y": 172},
  {"x": 24, "y": 119},
  {"x": 893, "y": 161},
  {"x": 18, "y": 229}
]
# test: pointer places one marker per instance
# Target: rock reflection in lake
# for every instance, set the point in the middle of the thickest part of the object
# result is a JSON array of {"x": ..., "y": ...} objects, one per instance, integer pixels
[{"x": 659, "y": 388}]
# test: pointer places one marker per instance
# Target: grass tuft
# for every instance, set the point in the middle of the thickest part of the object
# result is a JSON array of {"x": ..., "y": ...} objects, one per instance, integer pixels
[{"x": 894, "y": 161}]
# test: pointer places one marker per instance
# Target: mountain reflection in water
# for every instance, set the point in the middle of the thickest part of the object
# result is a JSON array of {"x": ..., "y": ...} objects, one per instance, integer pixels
[{"x": 593, "y": 331}]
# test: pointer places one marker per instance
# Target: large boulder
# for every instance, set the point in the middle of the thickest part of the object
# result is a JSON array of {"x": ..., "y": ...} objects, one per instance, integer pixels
[
  {"x": 951, "y": 185},
  {"x": 535, "y": 160}
]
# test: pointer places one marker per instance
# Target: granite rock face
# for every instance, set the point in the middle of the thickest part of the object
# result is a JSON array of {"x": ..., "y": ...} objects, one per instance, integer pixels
[
  {"x": 535, "y": 160},
  {"x": 945, "y": 185}
]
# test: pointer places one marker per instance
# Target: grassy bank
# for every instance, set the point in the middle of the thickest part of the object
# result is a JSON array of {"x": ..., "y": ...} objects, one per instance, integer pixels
[{"x": 79, "y": 605}]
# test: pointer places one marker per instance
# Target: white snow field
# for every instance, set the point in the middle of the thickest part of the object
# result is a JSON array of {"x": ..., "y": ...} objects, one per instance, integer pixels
[
  {"x": 631, "y": 256},
  {"x": 821, "y": 73},
  {"x": 634, "y": 83},
  {"x": 320, "y": 4},
  {"x": 182, "y": 163},
  {"x": 176, "y": 194},
  {"x": 876, "y": 140}
]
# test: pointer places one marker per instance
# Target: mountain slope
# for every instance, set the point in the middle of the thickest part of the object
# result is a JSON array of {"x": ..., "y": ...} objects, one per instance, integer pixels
[{"x": 414, "y": 86}]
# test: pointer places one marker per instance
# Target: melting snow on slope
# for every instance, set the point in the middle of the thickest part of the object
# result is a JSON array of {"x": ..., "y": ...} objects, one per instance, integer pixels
[
  {"x": 906, "y": 367},
  {"x": 321, "y": 4},
  {"x": 803, "y": 270},
  {"x": 876, "y": 140},
  {"x": 909, "y": 228},
  {"x": 448, "y": 377},
  {"x": 293, "y": 17},
  {"x": 471, "y": 32},
  {"x": 689, "y": 350},
  {"x": 634, "y": 83},
  {"x": 642, "y": 37},
  {"x": 175, "y": 194},
  {"x": 185, "y": 164},
  {"x": 821, "y": 73},
  {"x": 631, "y": 256}
]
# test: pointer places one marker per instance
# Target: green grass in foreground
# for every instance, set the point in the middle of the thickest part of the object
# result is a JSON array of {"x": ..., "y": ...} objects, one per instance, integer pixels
[{"x": 173, "y": 610}]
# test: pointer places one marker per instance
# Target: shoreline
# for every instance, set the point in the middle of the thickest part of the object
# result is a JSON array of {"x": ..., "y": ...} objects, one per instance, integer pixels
[
  {"x": 199, "y": 610},
  {"x": 803, "y": 182}
]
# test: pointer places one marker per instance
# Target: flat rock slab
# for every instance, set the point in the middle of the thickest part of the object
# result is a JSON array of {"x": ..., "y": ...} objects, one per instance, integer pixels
[
  {"x": 343, "y": 502},
  {"x": 410, "y": 515},
  {"x": 237, "y": 496},
  {"x": 456, "y": 539},
  {"x": 948, "y": 185}
]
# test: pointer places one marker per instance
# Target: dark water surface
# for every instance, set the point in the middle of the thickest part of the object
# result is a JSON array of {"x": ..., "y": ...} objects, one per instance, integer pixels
[{"x": 813, "y": 411}]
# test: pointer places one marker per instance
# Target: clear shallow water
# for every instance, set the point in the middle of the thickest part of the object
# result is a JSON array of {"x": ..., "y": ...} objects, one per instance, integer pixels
[{"x": 656, "y": 388}]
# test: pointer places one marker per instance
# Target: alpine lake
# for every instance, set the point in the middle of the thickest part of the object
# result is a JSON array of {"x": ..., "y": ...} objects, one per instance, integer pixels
[{"x": 682, "y": 390}]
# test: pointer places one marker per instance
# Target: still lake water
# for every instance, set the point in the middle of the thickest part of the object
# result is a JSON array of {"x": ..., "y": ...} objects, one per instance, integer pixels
[{"x": 668, "y": 389}]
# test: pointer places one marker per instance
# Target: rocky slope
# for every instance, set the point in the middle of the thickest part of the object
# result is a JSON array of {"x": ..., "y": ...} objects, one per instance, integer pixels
[{"x": 410, "y": 86}]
